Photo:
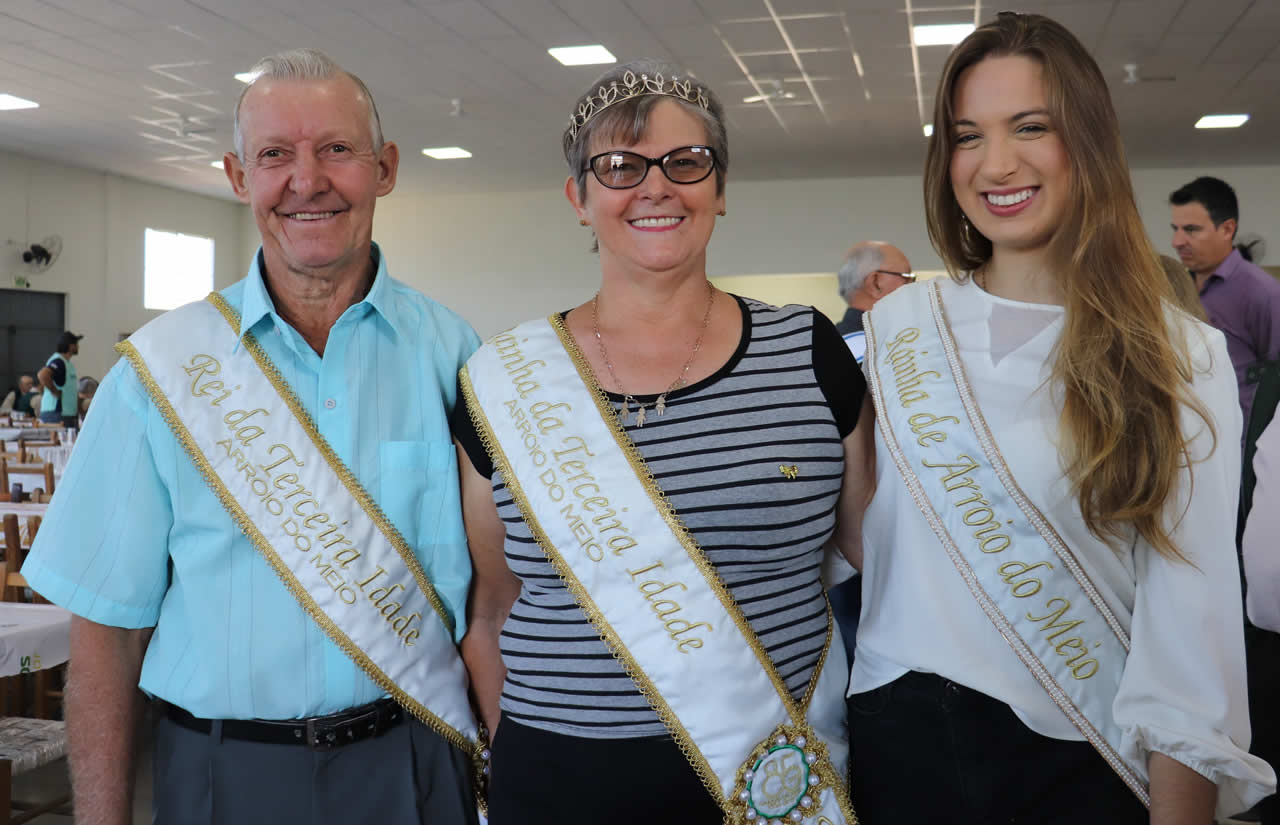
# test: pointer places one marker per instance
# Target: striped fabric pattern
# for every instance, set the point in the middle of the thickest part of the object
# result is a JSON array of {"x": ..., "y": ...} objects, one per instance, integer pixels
[{"x": 718, "y": 454}]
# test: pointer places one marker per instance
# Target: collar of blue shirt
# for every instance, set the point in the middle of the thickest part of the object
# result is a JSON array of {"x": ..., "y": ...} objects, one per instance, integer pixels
[{"x": 258, "y": 304}]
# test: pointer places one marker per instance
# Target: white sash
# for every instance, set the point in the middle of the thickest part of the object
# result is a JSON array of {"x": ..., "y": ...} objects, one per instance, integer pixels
[
  {"x": 641, "y": 579},
  {"x": 282, "y": 484},
  {"x": 1015, "y": 564}
]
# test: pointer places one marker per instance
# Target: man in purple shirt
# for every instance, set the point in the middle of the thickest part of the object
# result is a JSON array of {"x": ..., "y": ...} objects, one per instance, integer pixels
[{"x": 1240, "y": 299}]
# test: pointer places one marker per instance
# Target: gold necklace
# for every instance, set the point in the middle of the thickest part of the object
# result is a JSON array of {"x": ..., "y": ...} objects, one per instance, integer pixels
[{"x": 660, "y": 405}]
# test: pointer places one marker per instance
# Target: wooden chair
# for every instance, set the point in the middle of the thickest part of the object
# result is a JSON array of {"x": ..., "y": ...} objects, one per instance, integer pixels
[
  {"x": 26, "y": 744},
  {"x": 28, "y": 475}
]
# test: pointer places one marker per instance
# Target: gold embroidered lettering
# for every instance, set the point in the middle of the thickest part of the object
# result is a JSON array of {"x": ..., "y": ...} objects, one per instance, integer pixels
[
  {"x": 346, "y": 556},
  {"x": 366, "y": 582}
]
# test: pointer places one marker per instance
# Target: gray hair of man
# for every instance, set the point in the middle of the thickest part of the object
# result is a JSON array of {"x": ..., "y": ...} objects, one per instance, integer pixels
[
  {"x": 862, "y": 261},
  {"x": 304, "y": 64},
  {"x": 626, "y": 121}
]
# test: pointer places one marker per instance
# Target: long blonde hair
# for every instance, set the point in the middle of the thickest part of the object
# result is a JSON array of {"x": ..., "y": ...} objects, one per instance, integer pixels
[{"x": 1123, "y": 375}]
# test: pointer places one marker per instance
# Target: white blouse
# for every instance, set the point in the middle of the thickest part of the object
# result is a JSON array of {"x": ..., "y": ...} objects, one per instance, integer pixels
[
  {"x": 1183, "y": 689},
  {"x": 1262, "y": 533}
]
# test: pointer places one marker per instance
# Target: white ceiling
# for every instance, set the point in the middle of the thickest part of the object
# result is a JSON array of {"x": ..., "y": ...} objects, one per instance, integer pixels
[{"x": 120, "y": 81}]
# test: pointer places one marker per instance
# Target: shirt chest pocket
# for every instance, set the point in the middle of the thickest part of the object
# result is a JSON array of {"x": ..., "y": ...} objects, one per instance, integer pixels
[{"x": 418, "y": 491}]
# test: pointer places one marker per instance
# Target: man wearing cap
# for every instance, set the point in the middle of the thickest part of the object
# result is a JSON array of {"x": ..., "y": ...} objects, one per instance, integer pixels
[
  {"x": 279, "y": 564},
  {"x": 61, "y": 401}
]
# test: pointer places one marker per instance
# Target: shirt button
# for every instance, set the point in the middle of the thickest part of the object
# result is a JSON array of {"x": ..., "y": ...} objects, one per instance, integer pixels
[{"x": 329, "y": 403}]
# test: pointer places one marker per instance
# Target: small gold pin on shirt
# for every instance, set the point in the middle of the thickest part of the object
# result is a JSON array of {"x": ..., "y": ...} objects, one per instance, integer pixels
[{"x": 790, "y": 472}]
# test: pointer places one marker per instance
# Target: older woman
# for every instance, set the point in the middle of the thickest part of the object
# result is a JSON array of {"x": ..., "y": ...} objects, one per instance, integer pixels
[
  {"x": 648, "y": 482},
  {"x": 1051, "y": 631}
]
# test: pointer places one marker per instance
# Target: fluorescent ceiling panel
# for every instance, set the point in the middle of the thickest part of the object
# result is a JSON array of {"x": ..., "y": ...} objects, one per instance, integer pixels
[
  {"x": 1221, "y": 121},
  {"x": 14, "y": 102},
  {"x": 944, "y": 35},
  {"x": 582, "y": 55},
  {"x": 447, "y": 153}
]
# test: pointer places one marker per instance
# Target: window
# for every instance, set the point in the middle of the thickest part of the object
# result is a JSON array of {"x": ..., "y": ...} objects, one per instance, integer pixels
[{"x": 177, "y": 269}]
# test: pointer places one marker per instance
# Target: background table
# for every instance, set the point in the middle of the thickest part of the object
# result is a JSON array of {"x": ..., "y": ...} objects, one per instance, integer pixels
[{"x": 33, "y": 637}]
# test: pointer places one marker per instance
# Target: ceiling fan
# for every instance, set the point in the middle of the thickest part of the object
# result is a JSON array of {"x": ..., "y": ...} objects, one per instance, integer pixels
[
  {"x": 1133, "y": 75},
  {"x": 776, "y": 93}
]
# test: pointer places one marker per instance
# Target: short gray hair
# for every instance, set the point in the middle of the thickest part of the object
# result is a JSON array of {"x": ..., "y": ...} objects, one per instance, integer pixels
[
  {"x": 626, "y": 121},
  {"x": 304, "y": 64},
  {"x": 862, "y": 261}
]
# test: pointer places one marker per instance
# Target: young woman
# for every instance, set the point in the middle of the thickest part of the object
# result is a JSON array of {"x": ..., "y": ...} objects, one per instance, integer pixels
[{"x": 1051, "y": 630}]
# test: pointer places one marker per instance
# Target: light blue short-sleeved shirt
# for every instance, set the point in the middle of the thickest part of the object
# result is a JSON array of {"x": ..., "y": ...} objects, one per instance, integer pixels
[{"x": 135, "y": 538}]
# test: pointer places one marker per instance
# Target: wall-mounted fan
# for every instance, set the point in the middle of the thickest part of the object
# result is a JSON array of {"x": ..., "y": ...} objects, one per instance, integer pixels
[
  {"x": 37, "y": 258},
  {"x": 40, "y": 256},
  {"x": 1252, "y": 246}
]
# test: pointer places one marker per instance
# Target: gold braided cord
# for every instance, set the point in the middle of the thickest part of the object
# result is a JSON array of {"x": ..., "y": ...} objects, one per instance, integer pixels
[
  {"x": 259, "y": 541},
  {"x": 642, "y": 682},
  {"x": 353, "y": 485},
  {"x": 633, "y": 86}
]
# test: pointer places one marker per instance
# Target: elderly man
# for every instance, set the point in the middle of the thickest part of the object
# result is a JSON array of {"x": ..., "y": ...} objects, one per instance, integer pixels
[
  {"x": 871, "y": 270},
  {"x": 27, "y": 390},
  {"x": 279, "y": 564}
]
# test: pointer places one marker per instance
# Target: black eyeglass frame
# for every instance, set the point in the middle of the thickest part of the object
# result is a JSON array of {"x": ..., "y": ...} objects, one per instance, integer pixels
[
  {"x": 652, "y": 162},
  {"x": 910, "y": 276}
]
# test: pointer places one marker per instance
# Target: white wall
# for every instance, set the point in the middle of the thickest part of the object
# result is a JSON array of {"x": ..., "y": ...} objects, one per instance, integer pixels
[
  {"x": 101, "y": 219},
  {"x": 499, "y": 259}
]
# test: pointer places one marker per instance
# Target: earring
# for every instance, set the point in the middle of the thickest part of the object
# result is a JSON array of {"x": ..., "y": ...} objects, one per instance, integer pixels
[
  {"x": 721, "y": 213},
  {"x": 583, "y": 222}
]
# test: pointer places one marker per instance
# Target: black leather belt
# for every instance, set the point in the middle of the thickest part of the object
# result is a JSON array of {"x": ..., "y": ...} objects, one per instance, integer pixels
[{"x": 317, "y": 733}]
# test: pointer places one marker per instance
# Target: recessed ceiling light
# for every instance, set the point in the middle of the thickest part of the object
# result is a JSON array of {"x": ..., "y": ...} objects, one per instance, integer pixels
[
  {"x": 217, "y": 164},
  {"x": 582, "y": 55},
  {"x": 447, "y": 153},
  {"x": 945, "y": 35},
  {"x": 928, "y": 130},
  {"x": 1221, "y": 121},
  {"x": 247, "y": 77},
  {"x": 12, "y": 102}
]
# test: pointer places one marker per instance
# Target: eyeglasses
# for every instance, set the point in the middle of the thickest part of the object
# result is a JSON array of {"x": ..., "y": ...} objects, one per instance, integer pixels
[
  {"x": 910, "y": 276},
  {"x": 623, "y": 170}
]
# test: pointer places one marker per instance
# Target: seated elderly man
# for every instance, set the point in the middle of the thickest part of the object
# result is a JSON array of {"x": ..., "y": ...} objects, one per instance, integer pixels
[{"x": 28, "y": 390}]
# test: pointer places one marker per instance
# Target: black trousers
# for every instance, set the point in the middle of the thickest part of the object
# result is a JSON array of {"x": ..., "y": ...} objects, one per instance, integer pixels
[
  {"x": 926, "y": 751},
  {"x": 538, "y": 777},
  {"x": 407, "y": 776},
  {"x": 1262, "y": 649}
]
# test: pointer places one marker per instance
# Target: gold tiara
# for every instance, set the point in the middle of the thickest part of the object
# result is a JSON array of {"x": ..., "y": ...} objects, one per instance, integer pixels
[{"x": 634, "y": 86}]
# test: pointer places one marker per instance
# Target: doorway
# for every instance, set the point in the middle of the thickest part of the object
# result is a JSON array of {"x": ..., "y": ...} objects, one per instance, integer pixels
[{"x": 30, "y": 323}]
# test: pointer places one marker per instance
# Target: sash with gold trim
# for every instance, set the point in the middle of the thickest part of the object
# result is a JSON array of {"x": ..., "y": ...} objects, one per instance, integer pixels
[
  {"x": 305, "y": 512},
  {"x": 1015, "y": 564},
  {"x": 645, "y": 585}
]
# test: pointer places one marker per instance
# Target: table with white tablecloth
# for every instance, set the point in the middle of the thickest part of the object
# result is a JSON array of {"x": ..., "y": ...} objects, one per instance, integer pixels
[{"x": 33, "y": 637}]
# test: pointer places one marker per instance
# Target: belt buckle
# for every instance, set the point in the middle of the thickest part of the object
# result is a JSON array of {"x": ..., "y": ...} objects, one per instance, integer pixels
[{"x": 322, "y": 737}]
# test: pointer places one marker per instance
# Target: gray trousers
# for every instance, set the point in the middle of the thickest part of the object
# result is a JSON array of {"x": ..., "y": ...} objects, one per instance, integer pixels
[{"x": 407, "y": 776}]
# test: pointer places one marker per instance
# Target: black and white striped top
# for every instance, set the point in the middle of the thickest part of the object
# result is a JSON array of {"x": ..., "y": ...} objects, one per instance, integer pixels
[{"x": 787, "y": 396}]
